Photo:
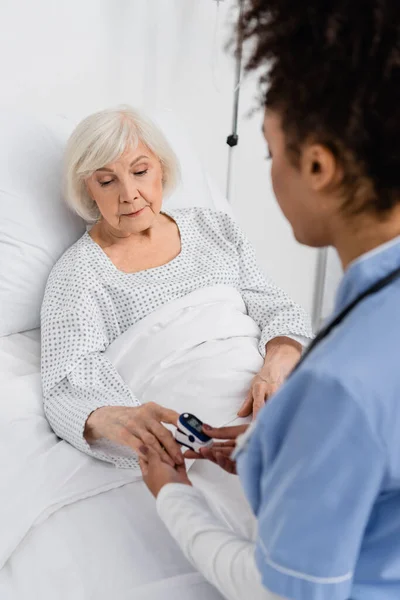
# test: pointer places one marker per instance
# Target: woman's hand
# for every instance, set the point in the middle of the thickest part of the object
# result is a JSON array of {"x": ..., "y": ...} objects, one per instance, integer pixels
[
  {"x": 157, "y": 473},
  {"x": 282, "y": 354},
  {"x": 220, "y": 453},
  {"x": 136, "y": 427}
]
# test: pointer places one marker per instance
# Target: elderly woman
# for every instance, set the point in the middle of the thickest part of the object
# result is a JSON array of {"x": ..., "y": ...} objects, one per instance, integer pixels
[{"x": 137, "y": 257}]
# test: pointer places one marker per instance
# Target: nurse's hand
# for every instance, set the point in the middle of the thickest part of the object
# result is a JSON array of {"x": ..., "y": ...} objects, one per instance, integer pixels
[
  {"x": 157, "y": 474},
  {"x": 282, "y": 355},
  {"x": 221, "y": 451},
  {"x": 135, "y": 427}
]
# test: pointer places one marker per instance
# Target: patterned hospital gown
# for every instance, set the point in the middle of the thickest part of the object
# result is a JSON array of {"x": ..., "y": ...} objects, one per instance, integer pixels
[{"x": 88, "y": 303}]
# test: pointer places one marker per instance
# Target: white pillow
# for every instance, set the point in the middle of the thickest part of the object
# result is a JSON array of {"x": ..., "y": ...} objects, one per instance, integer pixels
[{"x": 35, "y": 225}]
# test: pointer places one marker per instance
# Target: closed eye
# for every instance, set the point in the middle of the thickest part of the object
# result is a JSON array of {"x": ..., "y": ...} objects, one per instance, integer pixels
[
  {"x": 104, "y": 183},
  {"x": 141, "y": 172}
]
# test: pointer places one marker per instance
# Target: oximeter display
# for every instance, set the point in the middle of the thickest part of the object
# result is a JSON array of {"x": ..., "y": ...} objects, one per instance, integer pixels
[{"x": 195, "y": 423}]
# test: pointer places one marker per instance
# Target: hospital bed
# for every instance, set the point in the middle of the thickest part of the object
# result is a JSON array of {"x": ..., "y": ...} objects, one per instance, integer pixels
[{"x": 107, "y": 541}]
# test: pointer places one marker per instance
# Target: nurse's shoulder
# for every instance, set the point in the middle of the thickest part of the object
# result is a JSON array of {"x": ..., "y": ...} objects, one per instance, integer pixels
[{"x": 362, "y": 354}]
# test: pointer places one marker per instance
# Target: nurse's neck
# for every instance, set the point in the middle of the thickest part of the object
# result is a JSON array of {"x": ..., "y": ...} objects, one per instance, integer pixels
[{"x": 354, "y": 236}]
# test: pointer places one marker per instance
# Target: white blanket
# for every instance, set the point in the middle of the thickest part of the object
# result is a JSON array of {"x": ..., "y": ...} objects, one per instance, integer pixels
[{"x": 197, "y": 354}]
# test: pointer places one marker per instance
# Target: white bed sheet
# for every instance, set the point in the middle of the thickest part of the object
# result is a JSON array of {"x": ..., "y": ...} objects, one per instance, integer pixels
[
  {"x": 19, "y": 355},
  {"x": 109, "y": 546},
  {"x": 112, "y": 545}
]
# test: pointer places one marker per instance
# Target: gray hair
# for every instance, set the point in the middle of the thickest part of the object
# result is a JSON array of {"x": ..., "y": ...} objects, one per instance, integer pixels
[{"x": 102, "y": 138}]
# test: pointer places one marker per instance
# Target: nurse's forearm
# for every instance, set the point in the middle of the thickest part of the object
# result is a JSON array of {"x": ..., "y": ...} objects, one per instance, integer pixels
[{"x": 224, "y": 558}]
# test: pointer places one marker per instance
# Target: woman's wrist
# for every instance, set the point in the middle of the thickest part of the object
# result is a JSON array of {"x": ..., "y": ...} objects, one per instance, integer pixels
[
  {"x": 282, "y": 344},
  {"x": 89, "y": 433}
]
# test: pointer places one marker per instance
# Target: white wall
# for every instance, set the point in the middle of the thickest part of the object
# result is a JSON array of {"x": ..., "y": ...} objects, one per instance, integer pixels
[
  {"x": 79, "y": 56},
  {"x": 291, "y": 265}
]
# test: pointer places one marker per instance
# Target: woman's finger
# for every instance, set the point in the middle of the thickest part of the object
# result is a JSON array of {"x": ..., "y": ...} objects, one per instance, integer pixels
[
  {"x": 167, "y": 441},
  {"x": 227, "y": 452},
  {"x": 152, "y": 457},
  {"x": 152, "y": 443},
  {"x": 257, "y": 407},
  {"x": 273, "y": 388},
  {"x": 260, "y": 392},
  {"x": 213, "y": 453},
  {"x": 256, "y": 410},
  {"x": 207, "y": 452},
  {"x": 143, "y": 467},
  {"x": 210, "y": 456},
  {"x": 227, "y": 444},
  {"x": 124, "y": 436},
  {"x": 224, "y": 433},
  {"x": 247, "y": 406},
  {"x": 225, "y": 463},
  {"x": 181, "y": 469},
  {"x": 167, "y": 415},
  {"x": 192, "y": 455},
  {"x": 140, "y": 437},
  {"x": 204, "y": 454}
]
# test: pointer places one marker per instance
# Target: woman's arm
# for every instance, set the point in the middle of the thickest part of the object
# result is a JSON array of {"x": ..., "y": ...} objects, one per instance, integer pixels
[
  {"x": 285, "y": 326},
  {"x": 281, "y": 356},
  {"x": 272, "y": 309},
  {"x": 224, "y": 558},
  {"x": 86, "y": 399}
]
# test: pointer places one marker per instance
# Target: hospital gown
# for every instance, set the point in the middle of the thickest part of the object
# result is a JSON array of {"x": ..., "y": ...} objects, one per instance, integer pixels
[{"x": 88, "y": 303}]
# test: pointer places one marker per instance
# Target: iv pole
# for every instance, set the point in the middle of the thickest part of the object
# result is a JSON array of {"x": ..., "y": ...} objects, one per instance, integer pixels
[
  {"x": 319, "y": 288},
  {"x": 233, "y": 139}
]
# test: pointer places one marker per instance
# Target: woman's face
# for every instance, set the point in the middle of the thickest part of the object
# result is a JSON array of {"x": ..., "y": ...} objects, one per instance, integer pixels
[
  {"x": 129, "y": 191},
  {"x": 301, "y": 191}
]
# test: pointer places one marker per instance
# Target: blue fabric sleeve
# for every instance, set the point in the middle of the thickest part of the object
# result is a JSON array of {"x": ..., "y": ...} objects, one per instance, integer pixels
[{"x": 322, "y": 467}]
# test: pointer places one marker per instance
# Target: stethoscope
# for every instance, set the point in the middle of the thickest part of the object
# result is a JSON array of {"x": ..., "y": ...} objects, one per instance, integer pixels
[{"x": 325, "y": 331}]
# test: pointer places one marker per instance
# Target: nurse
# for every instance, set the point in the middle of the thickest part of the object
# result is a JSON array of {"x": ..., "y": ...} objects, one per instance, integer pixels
[{"x": 321, "y": 466}]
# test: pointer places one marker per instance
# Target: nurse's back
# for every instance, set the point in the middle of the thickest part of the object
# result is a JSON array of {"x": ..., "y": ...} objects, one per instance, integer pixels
[{"x": 363, "y": 353}]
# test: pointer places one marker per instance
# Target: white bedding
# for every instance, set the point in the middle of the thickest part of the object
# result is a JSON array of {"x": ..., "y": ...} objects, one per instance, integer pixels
[
  {"x": 19, "y": 355},
  {"x": 74, "y": 527}
]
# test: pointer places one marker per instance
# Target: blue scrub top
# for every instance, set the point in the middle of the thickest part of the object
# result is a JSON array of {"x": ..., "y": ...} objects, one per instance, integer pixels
[{"x": 322, "y": 466}]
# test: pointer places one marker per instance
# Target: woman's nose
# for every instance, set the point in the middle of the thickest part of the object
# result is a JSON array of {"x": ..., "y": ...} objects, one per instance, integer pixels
[{"x": 128, "y": 191}]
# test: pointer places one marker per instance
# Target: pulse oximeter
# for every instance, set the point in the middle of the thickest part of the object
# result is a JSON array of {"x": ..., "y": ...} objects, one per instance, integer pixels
[{"x": 190, "y": 433}]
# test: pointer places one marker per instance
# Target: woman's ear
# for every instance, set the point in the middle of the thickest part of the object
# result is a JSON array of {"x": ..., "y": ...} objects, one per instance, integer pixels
[{"x": 320, "y": 167}]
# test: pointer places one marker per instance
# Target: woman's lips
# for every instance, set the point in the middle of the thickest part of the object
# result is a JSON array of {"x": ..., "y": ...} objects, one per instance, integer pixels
[{"x": 135, "y": 214}]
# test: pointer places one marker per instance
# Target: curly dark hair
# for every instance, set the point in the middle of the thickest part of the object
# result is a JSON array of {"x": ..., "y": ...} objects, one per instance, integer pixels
[{"x": 332, "y": 72}]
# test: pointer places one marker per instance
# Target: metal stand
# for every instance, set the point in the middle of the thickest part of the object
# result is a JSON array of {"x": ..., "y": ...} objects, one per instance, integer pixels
[
  {"x": 319, "y": 288},
  {"x": 233, "y": 139}
]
